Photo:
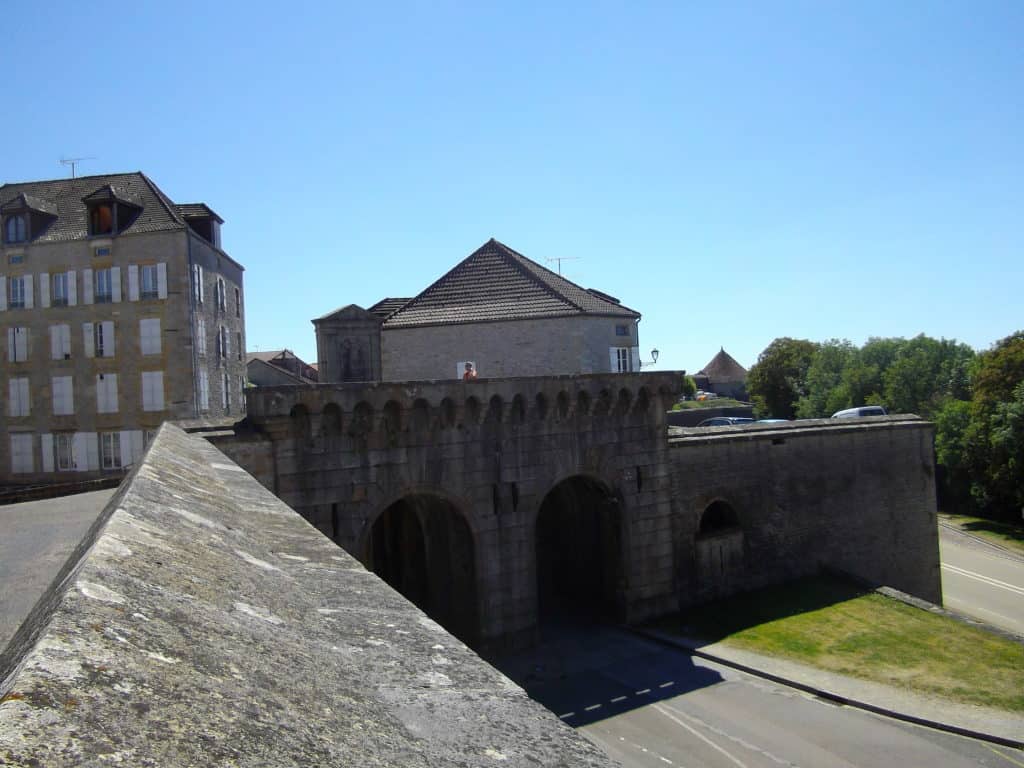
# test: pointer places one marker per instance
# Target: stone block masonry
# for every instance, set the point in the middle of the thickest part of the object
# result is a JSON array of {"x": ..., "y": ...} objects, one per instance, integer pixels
[{"x": 209, "y": 624}]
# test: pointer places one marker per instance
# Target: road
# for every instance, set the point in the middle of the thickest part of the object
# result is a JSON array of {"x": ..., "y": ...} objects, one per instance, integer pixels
[
  {"x": 981, "y": 580},
  {"x": 36, "y": 538},
  {"x": 648, "y": 705}
]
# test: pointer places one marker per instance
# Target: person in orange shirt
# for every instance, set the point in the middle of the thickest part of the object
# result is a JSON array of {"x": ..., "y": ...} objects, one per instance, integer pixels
[{"x": 470, "y": 372}]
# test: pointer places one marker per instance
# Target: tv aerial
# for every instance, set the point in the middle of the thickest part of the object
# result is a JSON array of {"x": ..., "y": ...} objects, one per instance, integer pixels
[
  {"x": 73, "y": 162},
  {"x": 560, "y": 259}
]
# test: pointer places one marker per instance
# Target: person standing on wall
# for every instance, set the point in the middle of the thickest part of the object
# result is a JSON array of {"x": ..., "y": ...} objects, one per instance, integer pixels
[{"x": 470, "y": 372}]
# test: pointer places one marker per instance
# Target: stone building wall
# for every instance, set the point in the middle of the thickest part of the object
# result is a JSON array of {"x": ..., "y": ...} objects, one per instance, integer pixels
[
  {"x": 543, "y": 347},
  {"x": 776, "y": 502}
]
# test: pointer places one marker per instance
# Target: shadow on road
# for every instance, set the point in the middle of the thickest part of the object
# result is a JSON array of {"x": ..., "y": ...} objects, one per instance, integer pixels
[{"x": 585, "y": 672}]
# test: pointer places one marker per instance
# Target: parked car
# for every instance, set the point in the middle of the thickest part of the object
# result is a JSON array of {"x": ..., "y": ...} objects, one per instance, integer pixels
[
  {"x": 725, "y": 421},
  {"x": 857, "y": 413},
  {"x": 702, "y": 395}
]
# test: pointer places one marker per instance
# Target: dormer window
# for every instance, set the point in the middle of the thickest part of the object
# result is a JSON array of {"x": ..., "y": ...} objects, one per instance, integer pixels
[
  {"x": 16, "y": 228},
  {"x": 101, "y": 220},
  {"x": 26, "y": 217},
  {"x": 111, "y": 211}
]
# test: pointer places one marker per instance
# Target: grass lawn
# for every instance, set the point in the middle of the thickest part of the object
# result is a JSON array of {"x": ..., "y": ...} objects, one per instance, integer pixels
[
  {"x": 830, "y": 624},
  {"x": 1004, "y": 534}
]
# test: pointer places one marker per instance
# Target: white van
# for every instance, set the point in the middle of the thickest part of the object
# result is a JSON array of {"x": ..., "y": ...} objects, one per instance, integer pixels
[{"x": 857, "y": 413}]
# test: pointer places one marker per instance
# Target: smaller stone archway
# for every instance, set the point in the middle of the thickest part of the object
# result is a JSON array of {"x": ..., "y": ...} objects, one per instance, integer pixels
[
  {"x": 578, "y": 540},
  {"x": 718, "y": 548},
  {"x": 423, "y": 547}
]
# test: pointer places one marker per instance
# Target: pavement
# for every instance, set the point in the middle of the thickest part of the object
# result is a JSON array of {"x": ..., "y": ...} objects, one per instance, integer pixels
[{"x": 36, "y": 538}]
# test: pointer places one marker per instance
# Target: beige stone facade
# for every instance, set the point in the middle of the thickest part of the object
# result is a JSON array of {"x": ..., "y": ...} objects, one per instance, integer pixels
[{"x": 100, "y": 337}]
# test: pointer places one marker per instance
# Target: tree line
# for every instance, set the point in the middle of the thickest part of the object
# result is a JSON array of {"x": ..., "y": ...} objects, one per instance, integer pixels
[{"x": 976, "y": 401}]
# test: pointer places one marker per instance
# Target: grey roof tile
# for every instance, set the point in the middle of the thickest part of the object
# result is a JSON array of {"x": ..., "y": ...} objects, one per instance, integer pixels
[
  {"x": 497, "y": 283},
  {"x": 67, "y": 200}
]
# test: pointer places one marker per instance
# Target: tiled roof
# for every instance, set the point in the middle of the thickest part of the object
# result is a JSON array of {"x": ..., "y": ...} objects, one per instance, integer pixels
[
  {"x": 266, "y": 355},
  {"x": 66, "y": 196},
  {"x": 385, "y": 307},
  {"x": 723, "y": 367},
  {"x": 197, "y": 210},
  {"x": 497, "y": 283}
]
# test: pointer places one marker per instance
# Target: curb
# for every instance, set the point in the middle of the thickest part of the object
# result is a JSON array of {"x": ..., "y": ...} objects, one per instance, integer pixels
[
  {"x": 1010, "y": 554},
  {"x": 828, "y": 695}
]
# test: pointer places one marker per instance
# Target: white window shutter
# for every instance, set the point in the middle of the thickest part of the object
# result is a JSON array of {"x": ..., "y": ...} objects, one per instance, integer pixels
[
  {"x": 72, "y": 288},
  {"x": 115, "y": 284},
  {"x": 89, "y": 339},
  {"x": 87, "y": 286},
  {"x": 22, "y": 341},
  {"x": 44, "y": 290},
  {"x": 127, "y": 456},
  {"x": 3, "y": 293},
  {"x": 79, "y": 453},
  {"x": 161, "y": 281},
  {"x": 137, "y": 449},
  {"x": 634, "y": 358},
  {"x": 92, "y": 450},
  {"x": 108, "y": 338},
  {"x": 56, "y": 349},
  {"x": 28, "y": 292},
  {"x": 47, "y": 443},
  {"x": 613, "y": 356},
  {"x": 133, "y": 282},
  {"x": 11, "y": 353}
]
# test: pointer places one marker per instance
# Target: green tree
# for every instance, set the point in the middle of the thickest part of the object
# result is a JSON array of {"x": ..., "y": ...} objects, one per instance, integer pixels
[
  {"x": 826, "y": 388},
  {"x": 779, "y": 377},
  {"x": 689, "y": 387},
  {"x": 924, "y": 373},
  {"x": 954, "y": 477}
]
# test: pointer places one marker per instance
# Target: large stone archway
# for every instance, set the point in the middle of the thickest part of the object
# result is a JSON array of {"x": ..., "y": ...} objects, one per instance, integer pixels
[
  {"x": 719, "y": 551},
  {"x": 423, "y": 547},
  {"x": 578, "y": 539}
]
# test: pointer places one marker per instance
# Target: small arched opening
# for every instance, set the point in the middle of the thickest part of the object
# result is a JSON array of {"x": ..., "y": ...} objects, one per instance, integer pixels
[
  {"x": 471, "y": 412},
  {"x": 540, "y": 408},
  {"x": 362, "y": 419},
  {"x": 517, "y": 413},
  {"x": 301, "y": 429},
  {"x": 494, "y": 409},
  {"x": 330, "y": 423},
  {"x": 447, "y": 413},
  {"x": 582, "y": 403},
  {"x": 420, "y": 418},
  {"x": 603, "y": 403},
  {"x": 562, "y": 406},
  {"x": 719, "y": 551},
  {"x": 423, "y": 547},
  {"x": 392, "y": 418},
  {"x": 579, "y": 552},
  {"x": 623, "y": 402}
]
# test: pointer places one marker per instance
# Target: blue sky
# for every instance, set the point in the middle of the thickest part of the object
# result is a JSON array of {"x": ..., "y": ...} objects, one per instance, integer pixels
[{"x": 734, "y": 171}]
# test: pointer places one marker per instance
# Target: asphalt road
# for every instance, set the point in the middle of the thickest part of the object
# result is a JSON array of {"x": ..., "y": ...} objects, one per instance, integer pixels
[
  {"x": 982, "y": 581},
  {"x": 648, "y": 705},
  {"x": 36, "y": 538}
]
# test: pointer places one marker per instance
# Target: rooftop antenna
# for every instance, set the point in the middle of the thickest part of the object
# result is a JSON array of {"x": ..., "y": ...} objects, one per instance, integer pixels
[
  {"x": 73, "y": 162},
  {"x": 560, "y": 259}
]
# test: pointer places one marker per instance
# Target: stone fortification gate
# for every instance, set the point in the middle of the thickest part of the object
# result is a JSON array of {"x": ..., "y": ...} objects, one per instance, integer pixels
[{"x": 495, "y": 502}]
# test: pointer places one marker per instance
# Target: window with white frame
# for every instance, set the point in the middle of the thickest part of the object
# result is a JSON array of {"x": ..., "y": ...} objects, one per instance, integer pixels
[
  {"x": 222, "y": 302},
  {"x": 16, "y": 228},
  {"x": 150, "y": 281},
  {"x": 238, "y": 303},
  {"x": 18, "y": 400},
  {"x": 106, "y": 393},
  {"x": 153, "y": 390},
  {"x": 17, "y": 344},
  {"x": 63, "y": 395},
  {"x": 110, "y": 450},
  {"x": 241, "y": 393},
  {"x": 63, "y": 451},
  {"x": 197, "y": 283},
  {"x": 147, "y": 437},
  {"x": 103, "y": 292},
  {"x": 60, "y": 342},
  {"x": 223, "y": 344},
  {"x": 103, "y": 339},
  {"x": 621, "y": 359},
  {"x": 59, "y": 293},
  {"x": 201, "y": 335},
  {"x": 149, "y": 335},
  {"x": 22, "y": 459},
  {"x": 225, "y": 394},
  {"x": 16, "y": 292},
  {"x": 204, "y": 391},
  {"x": 238, "y": 344}
]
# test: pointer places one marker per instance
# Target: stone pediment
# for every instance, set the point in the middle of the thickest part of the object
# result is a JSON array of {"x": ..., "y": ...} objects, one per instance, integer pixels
[{"x": 348, "y": 313}]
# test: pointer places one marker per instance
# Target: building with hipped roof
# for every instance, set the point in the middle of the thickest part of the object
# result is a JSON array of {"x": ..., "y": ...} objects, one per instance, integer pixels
[
  {"x": 276, "y": 367},
  {"x": 119, "y": 309},
  {"x": 723, "y": 376},
  {"x": 497, "y": 309}
]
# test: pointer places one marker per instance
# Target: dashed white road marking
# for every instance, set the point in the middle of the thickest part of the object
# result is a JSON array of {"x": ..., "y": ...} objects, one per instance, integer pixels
[{"x": 617, "y": 699}]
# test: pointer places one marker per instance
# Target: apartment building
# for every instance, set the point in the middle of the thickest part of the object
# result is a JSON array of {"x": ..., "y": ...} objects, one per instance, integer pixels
[{"x": 119, "y": 309}]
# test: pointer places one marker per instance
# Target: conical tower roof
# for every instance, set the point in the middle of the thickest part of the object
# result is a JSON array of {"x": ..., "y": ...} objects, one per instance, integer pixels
[{"x": 723, "y": 367}]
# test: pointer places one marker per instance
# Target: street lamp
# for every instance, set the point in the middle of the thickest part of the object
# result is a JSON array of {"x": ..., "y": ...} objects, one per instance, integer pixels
[{"x": 654, "y": 358}]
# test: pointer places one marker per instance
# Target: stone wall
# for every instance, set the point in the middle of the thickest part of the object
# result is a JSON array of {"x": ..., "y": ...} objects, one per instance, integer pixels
[
  {"x": 551, "y": 346},
  {"x": 203, "y": 622},
  {"x": 857, "y": 495}
]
